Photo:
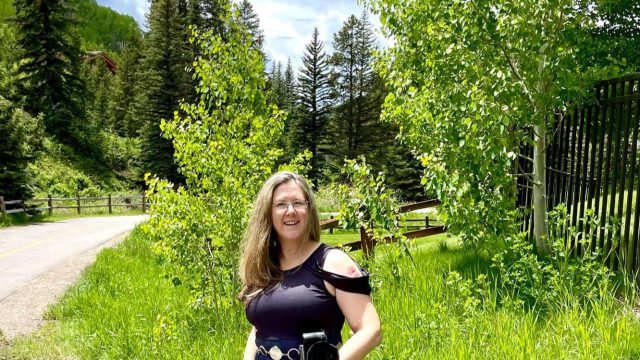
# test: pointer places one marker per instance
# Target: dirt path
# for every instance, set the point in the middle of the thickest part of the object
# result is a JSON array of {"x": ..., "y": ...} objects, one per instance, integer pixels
[{"x": 21, "y": 312}]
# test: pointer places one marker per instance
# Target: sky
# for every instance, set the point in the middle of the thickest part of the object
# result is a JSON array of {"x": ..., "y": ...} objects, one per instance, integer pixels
[{"x": 287, "y": 24}]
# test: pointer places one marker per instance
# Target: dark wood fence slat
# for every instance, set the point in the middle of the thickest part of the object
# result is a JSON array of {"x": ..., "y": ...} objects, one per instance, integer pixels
[
  {"x": 615, "y": 173},
  {"x": 605, "y": 184},
  {"x": 635, "y": 254},
  {"x": 576, "y": 181},
  {"x": 594, "y": 185},
  {"x": 632, "y": 175},
  {"x": 592, "y": 163},
  {"x": 419, "y": 205}
]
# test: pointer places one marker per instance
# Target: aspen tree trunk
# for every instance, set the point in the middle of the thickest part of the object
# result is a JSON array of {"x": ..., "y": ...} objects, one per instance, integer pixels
[{"x": 539, "y": 201}]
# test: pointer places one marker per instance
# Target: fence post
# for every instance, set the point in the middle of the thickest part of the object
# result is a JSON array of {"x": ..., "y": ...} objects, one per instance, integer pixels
[
  {"x": 3, "y": 208},
  {"x": 78, "y": 202},
  {"x": 50, "y": 204},
  {"x": 426, "y": 221},
  {"x": 331, "y": 229},
  {"x": 144, "y": 203},
  {"x": 366, "y": 242},
  {"x": 110, "y": 206}
]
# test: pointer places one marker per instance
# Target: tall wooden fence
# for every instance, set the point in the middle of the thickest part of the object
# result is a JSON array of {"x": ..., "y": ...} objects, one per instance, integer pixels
[{"x": 593, "y": 162}]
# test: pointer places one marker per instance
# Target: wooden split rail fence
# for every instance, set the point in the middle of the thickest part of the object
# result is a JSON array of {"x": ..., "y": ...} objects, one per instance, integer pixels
[
  {"x": 79, "y": 203},
  {"x": 367, "y": 243}
]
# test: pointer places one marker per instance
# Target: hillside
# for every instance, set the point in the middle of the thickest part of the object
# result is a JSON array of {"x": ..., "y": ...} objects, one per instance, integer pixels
[{"x": 101, "y": 28}]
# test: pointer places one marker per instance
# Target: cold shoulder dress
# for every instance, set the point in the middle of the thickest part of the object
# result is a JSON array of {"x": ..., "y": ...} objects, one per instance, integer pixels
[{"x": 301, "y": 303}]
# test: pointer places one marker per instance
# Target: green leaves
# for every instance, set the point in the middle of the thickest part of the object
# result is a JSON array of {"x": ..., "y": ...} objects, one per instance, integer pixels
[
  {"x": 465, "y": 79},
  {"x": 224, "y": 147}
]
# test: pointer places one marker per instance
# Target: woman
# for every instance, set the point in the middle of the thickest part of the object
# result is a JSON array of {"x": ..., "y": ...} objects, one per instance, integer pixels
[{"x": 293, "y": 284}]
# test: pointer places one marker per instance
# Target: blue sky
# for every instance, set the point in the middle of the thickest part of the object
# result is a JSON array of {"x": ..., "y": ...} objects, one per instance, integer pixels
[{"x": 287, "y": 24}]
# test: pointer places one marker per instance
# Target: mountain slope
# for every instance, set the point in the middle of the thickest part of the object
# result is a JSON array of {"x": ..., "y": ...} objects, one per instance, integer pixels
[{"x": 100, "y": 27}]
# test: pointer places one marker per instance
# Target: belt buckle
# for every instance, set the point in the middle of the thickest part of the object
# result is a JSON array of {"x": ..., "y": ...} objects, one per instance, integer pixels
[{"x": 276, "y": 354}]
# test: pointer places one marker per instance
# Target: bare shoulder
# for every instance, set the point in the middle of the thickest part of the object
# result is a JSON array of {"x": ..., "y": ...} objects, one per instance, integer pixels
[{"x": 338, "y": 262}]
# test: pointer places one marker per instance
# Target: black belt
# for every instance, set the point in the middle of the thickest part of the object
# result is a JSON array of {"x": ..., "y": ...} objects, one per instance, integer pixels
[{"x": 278, "y": 349}]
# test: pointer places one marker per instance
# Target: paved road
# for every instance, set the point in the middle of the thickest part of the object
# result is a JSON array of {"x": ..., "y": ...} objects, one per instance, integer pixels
[{"x": 27, "y": 252}]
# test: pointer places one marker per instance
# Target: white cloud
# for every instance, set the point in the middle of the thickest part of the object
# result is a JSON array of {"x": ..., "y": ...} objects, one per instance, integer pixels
[{"x": 287, "y": 24}]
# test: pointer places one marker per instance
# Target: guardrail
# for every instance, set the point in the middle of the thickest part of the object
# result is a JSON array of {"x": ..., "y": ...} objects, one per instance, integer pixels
[
  {"x": 367, "y": 243},
  {"x": 18, "y": 206}
]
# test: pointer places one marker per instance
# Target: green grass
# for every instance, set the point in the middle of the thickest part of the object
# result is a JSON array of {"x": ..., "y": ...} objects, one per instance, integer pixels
[{"x": 123, "y": 308}]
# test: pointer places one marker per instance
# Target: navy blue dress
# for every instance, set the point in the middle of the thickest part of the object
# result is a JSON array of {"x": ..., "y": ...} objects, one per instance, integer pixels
[{"x": 301, "y": 303}]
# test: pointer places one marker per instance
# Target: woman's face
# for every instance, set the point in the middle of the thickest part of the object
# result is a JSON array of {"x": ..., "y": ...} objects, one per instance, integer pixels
[{"x": 289, "y": 212}]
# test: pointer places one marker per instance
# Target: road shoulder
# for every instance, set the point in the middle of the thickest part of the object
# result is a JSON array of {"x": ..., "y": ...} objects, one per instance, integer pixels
[{"x": 21, "y": 313}]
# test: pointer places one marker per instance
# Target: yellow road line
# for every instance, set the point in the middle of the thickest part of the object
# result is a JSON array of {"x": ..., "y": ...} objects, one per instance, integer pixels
[{"x": 44, "y": 241}]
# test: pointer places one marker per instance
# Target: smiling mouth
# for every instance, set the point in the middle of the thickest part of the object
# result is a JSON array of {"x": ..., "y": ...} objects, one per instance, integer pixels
[{"x": 291, "y": 222}]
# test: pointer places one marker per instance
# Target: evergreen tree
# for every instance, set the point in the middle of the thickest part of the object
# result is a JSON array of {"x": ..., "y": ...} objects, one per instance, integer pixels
[
  {"x": 22, "y": 136},
  {"x": 250, "y": 21},
  {"x": 291, "y": 106},
  {"x": 275, "y": 85},
  {"x": 9, "y": 53},
  {"x": 195, "y": 15},
  {"x": 162, "y": 85},
  {"x": 214, "y": 13},
  {"x": 359, "y": 93},
  {"x": 309, "y": 129},
  {"x": 289, "y": 88},
  {"x": 50, "y": 63},
  {"x": 126, "y": 89}
]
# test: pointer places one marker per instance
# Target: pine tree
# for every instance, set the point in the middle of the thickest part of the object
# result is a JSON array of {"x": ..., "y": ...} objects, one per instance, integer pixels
[
  {"x": 275, "y": 85},
  {"x": 162, "y": 85},
  {"x": 22, "y": 136},
  {"x": 50, "y": 63},
  {"x": 359, "y": 93},
  {"x": 289, "y": 88},
  {"x": 309, "y": 129},
  {"x": 250, "y": 21},
  {"x": 214, "y": 13},
  {"x": 126, "y": 89}
]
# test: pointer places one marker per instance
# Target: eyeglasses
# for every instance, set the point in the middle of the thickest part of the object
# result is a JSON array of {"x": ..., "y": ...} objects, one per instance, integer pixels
[{"x": 296, "y": 204}]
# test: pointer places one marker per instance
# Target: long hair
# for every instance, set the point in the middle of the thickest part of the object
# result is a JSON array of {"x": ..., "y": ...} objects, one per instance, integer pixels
[{"x": 259, "y": 260}]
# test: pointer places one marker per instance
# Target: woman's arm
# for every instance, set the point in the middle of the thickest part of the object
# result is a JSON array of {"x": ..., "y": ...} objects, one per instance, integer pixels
[
  {"x": 357, "y": 308},
  {"x": 250, "y": 348}
]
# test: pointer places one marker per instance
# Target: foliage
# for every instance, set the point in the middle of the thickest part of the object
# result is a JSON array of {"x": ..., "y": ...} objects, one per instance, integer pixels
[
  {"x": 358, "y": 94},
  {"x": 309, "y": 130},
  {"x": 366, "y": 202},
  {"x": 611, "y": 35},
  {"x": 552, "y": 282},
  {"x": 428, "y": 311},
  {"x": 8, "y": 54},
  {"x": 21, "y": 143},
  {"x": 468, "y": 80},
  {"x": 61, "y": 172},
  {"x": 100, "y": 27},
  {"x": 49, "y": 65},
  {"x": 164, "y": 83},
  {"x": 249, "y": 19},
  {"x": 225, "y": 149}
]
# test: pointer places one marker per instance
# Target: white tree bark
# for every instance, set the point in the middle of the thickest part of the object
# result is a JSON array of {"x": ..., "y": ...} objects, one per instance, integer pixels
[{"x": 539, "y": 201}]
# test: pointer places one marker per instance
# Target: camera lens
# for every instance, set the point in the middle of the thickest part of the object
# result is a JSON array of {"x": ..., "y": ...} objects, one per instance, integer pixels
[{"x": 322, "y": 351}]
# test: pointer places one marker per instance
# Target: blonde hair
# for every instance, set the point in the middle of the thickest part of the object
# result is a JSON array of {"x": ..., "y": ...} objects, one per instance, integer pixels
[{"x": 259, "y": 268}]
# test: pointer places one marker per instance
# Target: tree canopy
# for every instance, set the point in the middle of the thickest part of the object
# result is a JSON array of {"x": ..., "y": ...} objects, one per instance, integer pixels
[{"x": 469, "y": 80}]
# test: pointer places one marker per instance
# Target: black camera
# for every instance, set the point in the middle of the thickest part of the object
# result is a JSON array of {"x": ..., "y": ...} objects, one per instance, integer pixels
[{"x": 316, "y": 347}]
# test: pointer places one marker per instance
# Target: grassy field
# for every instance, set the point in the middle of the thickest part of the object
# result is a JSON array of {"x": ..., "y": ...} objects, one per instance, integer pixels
[{"x": 124, "y": 308}]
